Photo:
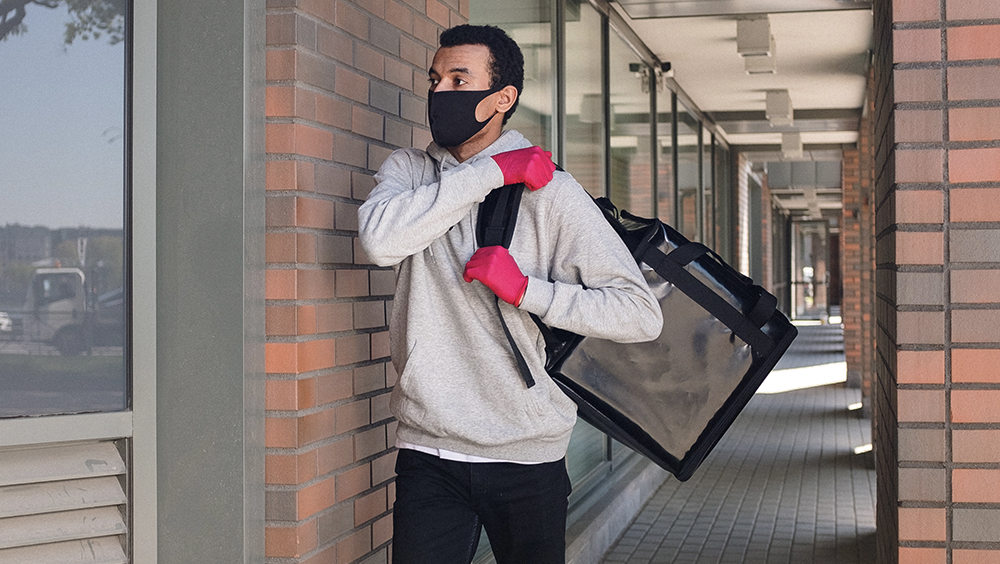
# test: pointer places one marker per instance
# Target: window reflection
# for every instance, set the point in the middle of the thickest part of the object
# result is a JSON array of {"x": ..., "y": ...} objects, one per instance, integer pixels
[
  {"x": 529, "y": 23},
  {"x": 723, "y": 203},
  {"x": 584, "y": 97},
  {"x": 62, "y": 139},
  {"x": 688, "y": 173},
  {"x": 631, "y": 153},
  {"x": 708, "y": 189},
  {"x": 665, "y": 157}
]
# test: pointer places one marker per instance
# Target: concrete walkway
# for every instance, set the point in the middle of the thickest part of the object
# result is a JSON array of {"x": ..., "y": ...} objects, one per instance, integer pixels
[{"x": 783, "y": 486}]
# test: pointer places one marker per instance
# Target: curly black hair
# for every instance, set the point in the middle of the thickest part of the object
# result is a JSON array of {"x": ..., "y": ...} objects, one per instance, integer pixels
[{"x": 506, "y": 60}]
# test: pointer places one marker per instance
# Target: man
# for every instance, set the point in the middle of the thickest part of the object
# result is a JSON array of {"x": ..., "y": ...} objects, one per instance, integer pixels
[{"x": 478, "y": 447}]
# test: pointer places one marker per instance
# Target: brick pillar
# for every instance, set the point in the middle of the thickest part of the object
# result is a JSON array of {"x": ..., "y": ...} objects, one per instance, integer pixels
[
  {"x": 938, "y": 184},
  {"x": 858, "y": 257},
  {"x": 884, "y": 421},
  {"x": 767, "y": 240},
  {"x": 346, "y": 84},
  {"x": 851, "y": 265}
]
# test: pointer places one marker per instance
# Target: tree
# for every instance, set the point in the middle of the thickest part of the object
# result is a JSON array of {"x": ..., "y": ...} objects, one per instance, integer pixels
[{"x": 89, "y": 18}]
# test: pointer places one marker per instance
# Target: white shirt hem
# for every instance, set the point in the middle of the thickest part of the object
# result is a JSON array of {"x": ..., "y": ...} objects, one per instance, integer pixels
[{"x": 454, "y": 456}]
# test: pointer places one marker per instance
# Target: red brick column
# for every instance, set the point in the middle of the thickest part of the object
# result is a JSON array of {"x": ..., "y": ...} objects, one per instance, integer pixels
[
  {"x": 346, "y": 84},
  {"x": 766, "y": 225},
  {"x": 858, "y": 257},
  {"x": 851, "y": 254},
  {"x": 938, "y": 184}
]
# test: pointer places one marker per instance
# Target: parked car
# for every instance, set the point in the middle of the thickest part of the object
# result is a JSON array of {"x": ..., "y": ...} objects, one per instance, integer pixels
[{"x": 6, "y": 323}]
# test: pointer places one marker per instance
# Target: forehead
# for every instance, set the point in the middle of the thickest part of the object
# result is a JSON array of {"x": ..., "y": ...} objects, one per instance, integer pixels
[{"x": 473, "y": 59}]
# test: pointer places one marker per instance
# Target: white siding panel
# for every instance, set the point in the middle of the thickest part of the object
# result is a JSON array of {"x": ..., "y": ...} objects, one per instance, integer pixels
[
  {"x": 57, "y": 527},
  {"x": 48, "y": 497},
  {"x": 62, "y": 504},
  {"x": 106, "y": 550},
  {"x": 48, "y": 464}
]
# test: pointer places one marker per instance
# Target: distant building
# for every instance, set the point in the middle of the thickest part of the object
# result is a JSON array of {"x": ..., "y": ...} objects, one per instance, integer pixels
[{"x": 23, "y": 244}]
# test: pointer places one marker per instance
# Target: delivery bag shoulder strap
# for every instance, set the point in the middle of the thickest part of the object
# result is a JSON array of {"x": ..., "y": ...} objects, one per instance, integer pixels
[{"x": 495, "y": 226}]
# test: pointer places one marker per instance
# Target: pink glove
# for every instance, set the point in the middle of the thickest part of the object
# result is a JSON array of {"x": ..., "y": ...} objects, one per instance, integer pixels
[
  {"x": 495, "y": 267},
  {"x": 533, "y": 166}
]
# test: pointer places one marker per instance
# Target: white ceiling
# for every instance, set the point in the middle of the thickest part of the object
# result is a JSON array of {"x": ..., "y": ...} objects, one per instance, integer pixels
[{"x": 822, "y": 60}]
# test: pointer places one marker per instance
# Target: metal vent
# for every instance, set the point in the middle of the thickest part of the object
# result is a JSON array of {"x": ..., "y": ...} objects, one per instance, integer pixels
[{"x": 62, "y": 504}]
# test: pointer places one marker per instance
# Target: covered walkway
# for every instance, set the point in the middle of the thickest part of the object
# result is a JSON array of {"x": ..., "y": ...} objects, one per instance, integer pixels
[{"x": 785, "y": 485}]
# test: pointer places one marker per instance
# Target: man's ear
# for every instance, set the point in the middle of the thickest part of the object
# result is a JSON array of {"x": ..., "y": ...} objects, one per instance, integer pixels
[{"x": 507, "y": 97}]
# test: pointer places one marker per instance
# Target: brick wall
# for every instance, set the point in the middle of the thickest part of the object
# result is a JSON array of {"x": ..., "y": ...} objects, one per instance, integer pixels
[
  {"x": 767, "y": 242},
  {"x": 851, "y": 264},
  {"x": 346, "y": 84},
  {"x": 939, "y": 321},
  {"x": 884, "y": 420},
  {"x": 858, "y": 256}
]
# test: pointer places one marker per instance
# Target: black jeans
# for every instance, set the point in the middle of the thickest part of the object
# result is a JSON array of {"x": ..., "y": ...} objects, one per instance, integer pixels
[{"x": 442, "y": 506}]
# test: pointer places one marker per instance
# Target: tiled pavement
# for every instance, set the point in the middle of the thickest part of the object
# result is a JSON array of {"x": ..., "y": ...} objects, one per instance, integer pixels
[{"x": 783, "y": 486}]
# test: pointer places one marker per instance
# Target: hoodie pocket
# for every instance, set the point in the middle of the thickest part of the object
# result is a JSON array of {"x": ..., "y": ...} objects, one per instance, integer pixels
[{"x": 552, "y": 408}]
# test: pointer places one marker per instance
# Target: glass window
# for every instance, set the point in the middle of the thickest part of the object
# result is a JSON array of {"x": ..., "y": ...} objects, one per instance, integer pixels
[
  {"x": 584, "y": 146},
  {"x": 62, "y": 202},
  {"x": 584, "y": 97},
  {"x": 723, "y": 204},
  {"x": 631, "y": 151},
  {"x": 708, "y": 189},
  {"x": 665, "y": 158},
  {"x": 688, "y": 173},
  {"x": 529, "y": 23}
]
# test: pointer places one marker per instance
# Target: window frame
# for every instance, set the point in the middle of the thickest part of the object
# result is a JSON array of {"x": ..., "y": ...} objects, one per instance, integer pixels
[{"x": 136, "y": 425}]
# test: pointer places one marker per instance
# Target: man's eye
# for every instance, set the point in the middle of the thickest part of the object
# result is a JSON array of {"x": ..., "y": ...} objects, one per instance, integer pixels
[{"x": 433, "y": 81}]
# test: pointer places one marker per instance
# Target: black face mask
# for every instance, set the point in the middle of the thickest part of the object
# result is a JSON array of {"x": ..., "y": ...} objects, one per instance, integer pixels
[{"x": 453, "y": 115}]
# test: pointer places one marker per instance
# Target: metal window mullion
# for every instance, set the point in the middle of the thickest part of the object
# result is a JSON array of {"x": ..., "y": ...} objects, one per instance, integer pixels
[
  {"x": 606, "y": 95},
  {"x": 675, "y": 208},
  {"x": 654, "y": 157},
  {"x": 559, "y": 92},
  {"x": 142, "y": 482},
  {"x": 715, "y": 194},
  {"x": 700, "y": 200}
]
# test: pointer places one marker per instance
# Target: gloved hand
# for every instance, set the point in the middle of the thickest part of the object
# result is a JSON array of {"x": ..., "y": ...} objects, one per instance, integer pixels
[
  {"x": 495, "y": 267},
  {"x": 532, "y": 165}
]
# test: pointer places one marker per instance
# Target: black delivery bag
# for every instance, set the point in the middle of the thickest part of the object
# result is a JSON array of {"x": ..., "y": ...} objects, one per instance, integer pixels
[{"x": 673, "y": 398}]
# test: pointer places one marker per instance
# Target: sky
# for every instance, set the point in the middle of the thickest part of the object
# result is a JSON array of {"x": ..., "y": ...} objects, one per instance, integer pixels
[{"x": 61, "y": 126}]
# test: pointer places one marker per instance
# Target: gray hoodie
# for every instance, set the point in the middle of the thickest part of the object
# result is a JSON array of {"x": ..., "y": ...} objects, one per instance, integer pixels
[{"x": 459, "y": 388}]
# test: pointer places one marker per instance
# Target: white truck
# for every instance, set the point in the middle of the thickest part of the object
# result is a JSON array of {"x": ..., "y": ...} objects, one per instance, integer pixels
[{"x": 62, "y": 310}]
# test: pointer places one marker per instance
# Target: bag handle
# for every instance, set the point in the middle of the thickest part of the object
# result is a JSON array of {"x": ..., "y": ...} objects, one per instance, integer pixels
[
  {"x": 741, "y": 325},
  {"x": 765, "y": 304}
]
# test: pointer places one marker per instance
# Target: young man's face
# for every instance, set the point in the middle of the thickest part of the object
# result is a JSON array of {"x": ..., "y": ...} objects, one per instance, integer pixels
[{"x": 463, "y": 67}]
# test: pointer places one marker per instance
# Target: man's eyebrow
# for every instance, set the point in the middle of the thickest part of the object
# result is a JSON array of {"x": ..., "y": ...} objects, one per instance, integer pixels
[{"x": 459, "y": 70}]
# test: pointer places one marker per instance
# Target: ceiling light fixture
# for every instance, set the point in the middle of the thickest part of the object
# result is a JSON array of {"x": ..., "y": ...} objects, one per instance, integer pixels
[
  {"x": 778, "y": 108},
  {"x": 791, "y": 145},
  {"x": 755, "y": 44},
  {"x": 762, "y": 64}
]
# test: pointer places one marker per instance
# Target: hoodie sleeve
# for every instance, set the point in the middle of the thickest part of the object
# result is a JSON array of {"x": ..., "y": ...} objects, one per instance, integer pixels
[
  {"x": 595, "y": 286},
  {"x": 403, "y": 216}
]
